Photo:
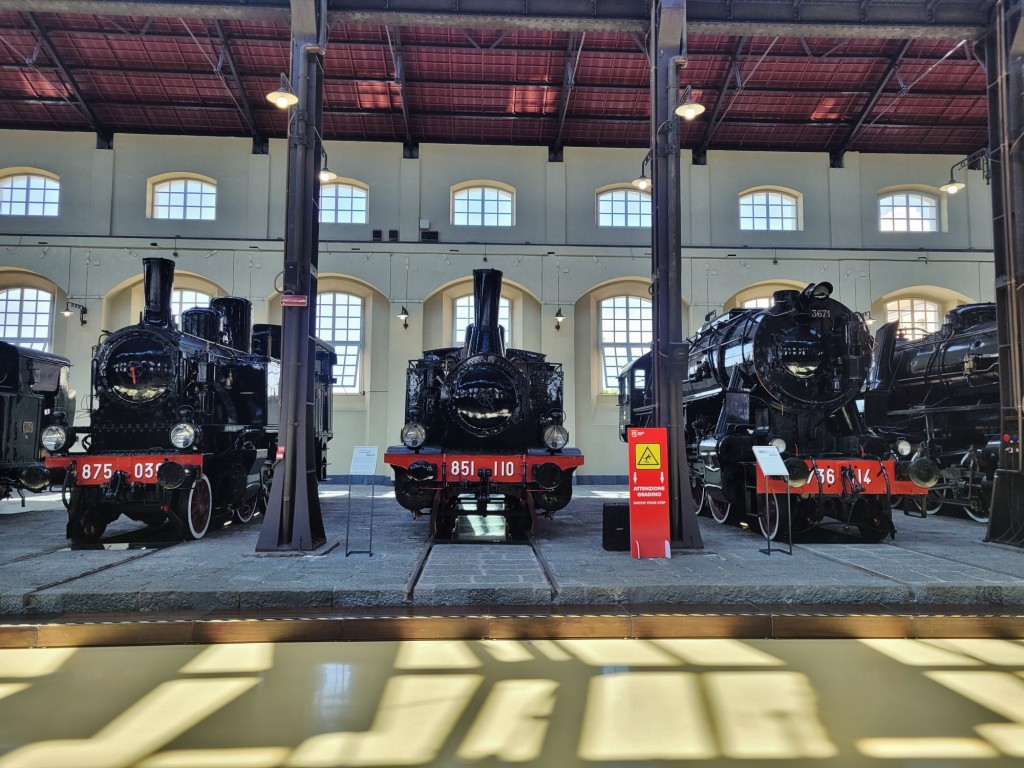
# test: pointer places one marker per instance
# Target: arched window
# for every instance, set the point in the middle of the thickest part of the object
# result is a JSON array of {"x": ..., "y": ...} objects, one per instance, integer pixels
[
  {"x": 917, "y": 317},
  {"x": 343, "y": 203},
  {"x": 339, "y": 321},
  {"x": 183, "y": 197},
  {"x": 761, "y": 302},
  {"x": 625, "y": 334},
  {"x": 463, "y": 316},
  {"x": 769, "y": 210},
  {"x": 182, "y": 300},
  {"x": 29, "y": 194},
  {"x": 624, "y": 208},
  {"x": 25, "y": 315},
  {"x": 908, "y": 212},
  {"x": 483, "y": 206}
]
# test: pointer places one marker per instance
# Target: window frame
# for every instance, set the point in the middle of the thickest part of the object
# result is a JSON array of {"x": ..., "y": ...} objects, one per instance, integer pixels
[
  {"x": 915, "y": 330},
  {"x": 43, "y": 344},
  {"x": 892, "y": 192},
  {"x": 30, "y": 174},
  {"x": 154, "y": 190},
  {"x": 505, "y": 315},
  {"x": 607, "y": 192},
  {"x": 353, "y": 185},
  {"x": 633, "y": 349},
  {"x": 340, "y": 370},
  {"x": 789, "y": 196},
  {"x": 484, "y": 186},
  {"x": 177, "y": 300}
]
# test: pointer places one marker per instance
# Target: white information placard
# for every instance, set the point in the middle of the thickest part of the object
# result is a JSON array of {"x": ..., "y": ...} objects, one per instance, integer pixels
[
  {"x": 364, "y": 460},
  {"x": 770, "y": 462}
]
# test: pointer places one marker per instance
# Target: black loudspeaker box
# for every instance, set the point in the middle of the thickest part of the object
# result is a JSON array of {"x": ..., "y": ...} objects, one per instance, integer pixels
[{"x": 615, "y": 532}]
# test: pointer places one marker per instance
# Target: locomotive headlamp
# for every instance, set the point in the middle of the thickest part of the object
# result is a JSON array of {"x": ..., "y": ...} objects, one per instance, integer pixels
[
  {"x": 903, "y": 447},
  {"x": 414, "y": 435},
  {"x": 555, "y": 437},
  {"x": 184, "y": 435},
  {"x": 54, "y": 437},
  {"x": 778, "y": 444}
]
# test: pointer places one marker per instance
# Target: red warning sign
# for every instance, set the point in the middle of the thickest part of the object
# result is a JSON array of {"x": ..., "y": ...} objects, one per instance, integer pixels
[{"x": 649, "y": 530}]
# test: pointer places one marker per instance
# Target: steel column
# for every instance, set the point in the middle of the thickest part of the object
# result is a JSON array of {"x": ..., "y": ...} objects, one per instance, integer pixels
[
  {"x": 666, "y": 47},
  {"x": 293, "y": 520}
]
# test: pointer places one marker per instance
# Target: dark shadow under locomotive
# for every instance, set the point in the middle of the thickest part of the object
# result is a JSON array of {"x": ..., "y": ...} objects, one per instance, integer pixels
[
  {"x": 34, "y": 393},
  {"x": 787, "y": 377},
  {"x": 483, "y": 429},
  {"x": 184, "y": 423},
  {"x": 938, "y": 396}
]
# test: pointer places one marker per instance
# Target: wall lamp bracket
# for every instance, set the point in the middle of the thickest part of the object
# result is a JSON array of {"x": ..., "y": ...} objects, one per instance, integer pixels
[
  {"x": 71, "y": 306},
  {"x": 979, "y": 160}
]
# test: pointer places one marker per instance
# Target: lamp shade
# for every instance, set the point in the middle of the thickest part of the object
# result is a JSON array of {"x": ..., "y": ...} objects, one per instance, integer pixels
[{"x": 284, "y": 97}]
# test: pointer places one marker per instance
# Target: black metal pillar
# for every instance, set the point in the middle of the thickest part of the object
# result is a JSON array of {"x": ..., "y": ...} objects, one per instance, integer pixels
[
  {"x": 1004, "y": 60},
  {"x": 666, "y": 54},
  {"x": 293, "y": 520}
]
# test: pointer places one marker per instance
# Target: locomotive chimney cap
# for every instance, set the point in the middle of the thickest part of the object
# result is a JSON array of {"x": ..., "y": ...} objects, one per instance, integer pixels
[{"x": 818, "y": 291}]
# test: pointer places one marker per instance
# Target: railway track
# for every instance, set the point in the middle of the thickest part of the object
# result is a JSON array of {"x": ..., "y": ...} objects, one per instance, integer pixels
[{"x": 473, "y": 550}]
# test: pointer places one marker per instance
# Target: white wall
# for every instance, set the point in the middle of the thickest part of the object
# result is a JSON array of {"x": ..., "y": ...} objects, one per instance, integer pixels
[{"x": 554, "y": 256}]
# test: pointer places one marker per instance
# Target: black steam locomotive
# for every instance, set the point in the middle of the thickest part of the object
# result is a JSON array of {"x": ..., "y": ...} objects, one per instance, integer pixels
[
  {"x": 184, "y": 422},
  {"x": 938, "y": 396},
  {"x": 34, "y": 391},
  {"x": 787, "y": 377},
  {"x": 484, "y": 429}
]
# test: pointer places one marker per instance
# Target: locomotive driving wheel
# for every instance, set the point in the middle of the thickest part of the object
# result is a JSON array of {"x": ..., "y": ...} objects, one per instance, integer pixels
[
  {"x": 979, "y": 507},
  {"x": 773, "y": 518},
  {"x": 256, "y": 504},
  {"x": 930, "y": 504},
  {"x": 85, "y": 524},
  {"x": 194, "y": 508},
  {"x": 721, "y": 511}
]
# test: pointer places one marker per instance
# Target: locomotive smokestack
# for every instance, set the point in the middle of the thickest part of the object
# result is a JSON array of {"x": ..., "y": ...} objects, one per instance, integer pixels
[
  {"x": 485, "y": 335},
  {"x": 158, "y": 280}
]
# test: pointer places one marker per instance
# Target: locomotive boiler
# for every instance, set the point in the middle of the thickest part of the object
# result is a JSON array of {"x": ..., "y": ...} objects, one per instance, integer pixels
[
  {"x": 787, "y": 377},
  {"x": 184, "y": 423},
  {"x": 938, "y": 396},
  {"x": 484, "y": 429},
  {"x": 34, "y": 392}
]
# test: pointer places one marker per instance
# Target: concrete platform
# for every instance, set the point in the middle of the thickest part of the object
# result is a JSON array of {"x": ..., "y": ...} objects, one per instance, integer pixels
[{"x": 936, "y": 564}]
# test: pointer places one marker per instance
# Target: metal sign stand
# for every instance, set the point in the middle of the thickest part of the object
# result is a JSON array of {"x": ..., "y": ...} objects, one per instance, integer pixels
[
  {"x": 364, "y": 462},
  {"x": 771, "y": 466}
]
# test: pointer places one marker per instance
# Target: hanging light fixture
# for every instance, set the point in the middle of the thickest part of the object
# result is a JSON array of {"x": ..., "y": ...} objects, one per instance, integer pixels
[
  {"x": 975, "y": 160},
  {"x": 69, "y": 308},
  {"x": 688, "y": 107},
  {"x": 326, "y": 175},
  {"x": 284, "y": 97},
  {"x": 559, "y": 317},
  {"x": 403, "y": 314},
  {"x": 643, "y": 181}
]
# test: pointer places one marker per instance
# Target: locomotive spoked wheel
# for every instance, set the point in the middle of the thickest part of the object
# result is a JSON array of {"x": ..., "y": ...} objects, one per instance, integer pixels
[
  {"x": 721, "y": 511},
  {"x": 250, "y": 507},
  {"x": 929, "y": 504},
  {"x": 980, "y": 507},
  {"x": 194, "y": 508},
  {"x": 772, "y": 518},
  {"x": 85, "y": 526},
  {"x": 872, "y": 521},
  {"x": 699, "y": 493}
]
